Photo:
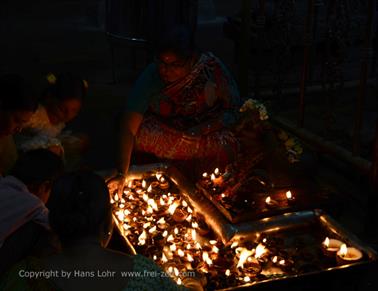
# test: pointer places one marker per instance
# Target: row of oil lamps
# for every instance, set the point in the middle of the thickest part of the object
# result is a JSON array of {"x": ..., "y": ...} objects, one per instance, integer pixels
[{"x": 216, "y": 179}]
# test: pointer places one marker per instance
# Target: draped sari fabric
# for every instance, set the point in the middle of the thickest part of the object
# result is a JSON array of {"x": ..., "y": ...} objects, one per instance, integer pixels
[{"x": 192, "y": 118}]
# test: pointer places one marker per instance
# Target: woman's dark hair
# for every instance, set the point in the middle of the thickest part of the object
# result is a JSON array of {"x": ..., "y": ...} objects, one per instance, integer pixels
[
  {"x": 79, "y": 205},
  {"x": 179, "y": 41},
  {"x": 66, "y": 86},
  {"x": 16, "y": 94},
  {"x": 37, "y": 166}
]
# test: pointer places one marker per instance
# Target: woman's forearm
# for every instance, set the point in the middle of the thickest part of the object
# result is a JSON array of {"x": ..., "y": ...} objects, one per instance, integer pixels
[{"x": 125, "y": 149}]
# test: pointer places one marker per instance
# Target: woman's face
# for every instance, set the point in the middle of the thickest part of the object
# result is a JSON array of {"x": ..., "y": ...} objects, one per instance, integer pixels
[
  {"x": 12, "y": 122},
  {"x": 171, "y": 67},
  {"x": 64, "y": 111}
]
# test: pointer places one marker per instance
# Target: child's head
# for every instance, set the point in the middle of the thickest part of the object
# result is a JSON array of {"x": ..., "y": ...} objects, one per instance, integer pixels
[
  {"x": 37, "y": 169},
  {"x": 63, "y": 97},
  {"x": 17, "y": 104},
  {"x": 79, "y": 207}
]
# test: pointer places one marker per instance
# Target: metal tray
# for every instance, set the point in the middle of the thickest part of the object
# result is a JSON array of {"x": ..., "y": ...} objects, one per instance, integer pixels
[
  {"x": 257, "y": 208},
  {"x": 216, "y": 221},
  {"x": 284, "y": 225}
]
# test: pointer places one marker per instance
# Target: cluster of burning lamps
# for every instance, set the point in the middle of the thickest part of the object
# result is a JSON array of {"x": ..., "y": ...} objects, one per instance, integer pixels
[
  {"x": 154, "y": 219},
  {"x": 216, "y": 179}
]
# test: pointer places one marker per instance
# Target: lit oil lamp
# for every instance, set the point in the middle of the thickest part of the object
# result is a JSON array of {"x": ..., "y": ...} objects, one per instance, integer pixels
[
  {"x": 331, "y": 246},
  {"x": 180, "y": 215},
  {"x": 270, "y": 202},
  {"x": 290, "y": 198},
  {"x": 347, "y": 255},
  {"x": 163, "y": 183}
]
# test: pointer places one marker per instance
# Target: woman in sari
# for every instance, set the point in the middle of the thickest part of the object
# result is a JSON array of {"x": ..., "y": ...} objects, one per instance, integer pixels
[{"x": 181, "y": 108}]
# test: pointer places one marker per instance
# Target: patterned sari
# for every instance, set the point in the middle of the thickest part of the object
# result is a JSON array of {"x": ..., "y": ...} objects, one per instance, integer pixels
[{"x": 191, "y": 118}]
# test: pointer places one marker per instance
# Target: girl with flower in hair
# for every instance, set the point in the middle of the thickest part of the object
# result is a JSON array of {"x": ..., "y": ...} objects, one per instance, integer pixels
[{"x": 60, "y": 103}]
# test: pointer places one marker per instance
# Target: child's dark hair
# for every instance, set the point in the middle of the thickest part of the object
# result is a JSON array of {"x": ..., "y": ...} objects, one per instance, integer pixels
[
  {"x": 37, "y": 166},
  {"x": 79, "y": 205},
  {"x": 65, "y": 86},
  {"x": 179, "y": 41},
  {"x": 16, "y": 94}
]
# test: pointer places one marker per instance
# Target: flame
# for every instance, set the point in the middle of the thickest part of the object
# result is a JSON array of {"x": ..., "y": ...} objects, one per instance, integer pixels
[
  {"x": 188, "y": 247},
  {"x": 282, "y": 262},
  {"x": 150, "y": 210},
  {"x": 289, "y": 195},
  {"x": 111, "y": 201},
  {"x": 274, "y": 260},
  {"x": 170, "y": 238},
  {"x": 139, "y": 191},
  {"x": 152, "y": 229},
  {"x": 180, "y": 253},
  {"x": 164, "y": 258},
  {"x": 184, "y": 203},
  {"x": 126, "y": 226},
  {"x": 173, "y": 248},
  {"x": 162, "y": 180},
  {"x": 212, "y": 177},
  {"x": 161, "y": 220},
  {"x": 189, "y": 218},
  {"x": 260, "y": 250},
  {"x": 179, "y": 282},
  {"x": 223, "y": 195},
  {"x": 264, "y": 240},
  {"x": 206, "y": 258},
  {"x": 194, "y": 234},
  {"x": 176, "y": 271},
  {"x": 149, "y": 189},
  {"x": 172, "y": 208},
  {"x": 147, "y": 224},
  {"x": 121, "y": 205},
  {"x": 130, "y": 184},
  {"x": 267, "y": 200},
  {"x": 198, "y": 246},
  {"x": 144, "y": 184},
  {"x": 234, "y": 244},
  {"x": 247, "y": 279},
  {"x": 190, "y": 210},
  {"x": 204, "y": 175},
  {"x": 154, "y": 257},
  {"x": 176, "y": 231},
  {"x": 116, "y": 197},
  {"x": 213, "y": 242},
  {"x": 216, "y": 171},
  {"x": 161, "y": 201},
  {"x": 165, "y": 233},
  {"x": 135, "y": 219},
  {"x": 142, "y": 238},
  {"x": 120, "y": 216},
  {"x": 153, "y": 204},
  {"x": 145, "y": 197},
  {"x": 215, "y": 249},
  {"x": 326, "y": 242},
  {"x": 228, "y": 272},
  {"x": 245, "y": 253},
  {"x": 189, "y": 258},
  {"x": 343, "y": 250},
  {"x": 158, "y": 176},
  {"x": 194, "y": 224}
]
